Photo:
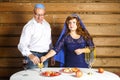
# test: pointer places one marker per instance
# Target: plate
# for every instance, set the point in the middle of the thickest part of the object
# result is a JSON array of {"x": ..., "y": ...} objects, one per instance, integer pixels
[
  {"x": 70, "y": 70},
  {"x": 50, "y": 73}
]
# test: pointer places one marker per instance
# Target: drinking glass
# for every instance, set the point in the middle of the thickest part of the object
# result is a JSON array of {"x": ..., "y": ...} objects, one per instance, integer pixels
[
  {"x": 90, "y": 58},
  {"x": 40, "y": 65},
  {"x": 25, "y": 62}
]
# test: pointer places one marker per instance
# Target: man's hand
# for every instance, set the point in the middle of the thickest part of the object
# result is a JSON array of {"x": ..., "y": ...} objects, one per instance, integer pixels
[{"x": 34, "y": 59}]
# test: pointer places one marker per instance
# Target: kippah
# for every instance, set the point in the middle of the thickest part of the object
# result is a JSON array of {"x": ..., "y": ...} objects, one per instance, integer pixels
[{"x": 39, "y": 6}]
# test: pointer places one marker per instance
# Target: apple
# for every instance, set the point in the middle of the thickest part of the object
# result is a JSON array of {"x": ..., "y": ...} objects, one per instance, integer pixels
[
  {"x": 100, "y": 70},
  {"x": 78, "y": 73}
]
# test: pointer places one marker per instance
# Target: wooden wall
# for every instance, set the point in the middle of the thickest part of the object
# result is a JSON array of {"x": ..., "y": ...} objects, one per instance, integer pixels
[{"x": 101, "y": 17}]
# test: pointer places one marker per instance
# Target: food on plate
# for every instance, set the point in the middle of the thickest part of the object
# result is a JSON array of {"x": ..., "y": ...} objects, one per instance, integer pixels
[
  {"x": 100, "y": 70},
  {"x": 78, "y": 74},
  {"x": 51, "y": 73},
  {"x": 69, "y": 70},
  {"x": 75, "y": 69}
]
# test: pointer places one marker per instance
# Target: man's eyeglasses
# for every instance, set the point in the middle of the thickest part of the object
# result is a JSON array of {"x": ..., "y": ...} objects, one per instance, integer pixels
[{"x": 39, "y": 15}]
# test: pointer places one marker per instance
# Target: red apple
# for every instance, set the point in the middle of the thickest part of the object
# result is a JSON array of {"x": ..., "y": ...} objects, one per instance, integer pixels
[
  {"x": 100, "y": 70},
  {"x": 78, "y": 73}
]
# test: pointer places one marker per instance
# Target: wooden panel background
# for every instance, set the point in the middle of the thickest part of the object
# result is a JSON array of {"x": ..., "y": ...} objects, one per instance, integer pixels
[{"x": 101, "y": 17}]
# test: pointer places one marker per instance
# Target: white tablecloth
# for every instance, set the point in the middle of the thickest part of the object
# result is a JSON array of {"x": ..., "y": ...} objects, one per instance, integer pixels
[{"x": 34, "y": 74}]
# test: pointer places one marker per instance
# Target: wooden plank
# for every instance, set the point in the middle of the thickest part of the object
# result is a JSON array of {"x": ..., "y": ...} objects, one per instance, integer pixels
[
  {"x": 94, "y": 29},
  {"x": 4, "y": 0},
  {"x": 10, "y": 30},
  {"x": 9, "y": 41},
  {"x": 11, "y": 62},
  {"x": 104, "y": 30},
  {"x": 78, "y": 7},
  {"x": 66, "y": 1},
  {"x": 9, "y": 52},
  {"x": 107, "y": 62},
  {"x": 108, "y": 51},
  {"x": 60, "y": 18},
  {"x": 99, "y": 41},
  {"x": 107, "y": 41}
]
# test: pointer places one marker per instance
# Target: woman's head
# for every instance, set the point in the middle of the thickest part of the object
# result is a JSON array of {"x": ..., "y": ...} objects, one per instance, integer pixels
[{"x": 73, "y": 23}]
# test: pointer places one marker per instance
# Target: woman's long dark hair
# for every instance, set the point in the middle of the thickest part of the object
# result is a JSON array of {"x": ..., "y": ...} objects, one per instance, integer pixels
[{"x": 80, "y": 31}]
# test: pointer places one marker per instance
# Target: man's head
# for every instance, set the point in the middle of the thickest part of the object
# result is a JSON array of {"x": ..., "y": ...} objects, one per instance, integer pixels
[{"x": 39, "y": 12}]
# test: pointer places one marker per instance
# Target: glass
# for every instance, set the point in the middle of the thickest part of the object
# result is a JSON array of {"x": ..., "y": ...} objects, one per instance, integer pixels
[
  {"x": 90, "y": 58},
  {"x": 40, "y": 65},
  {"x": 39, "y": 15},
  {"x": 25, "y": 62}
]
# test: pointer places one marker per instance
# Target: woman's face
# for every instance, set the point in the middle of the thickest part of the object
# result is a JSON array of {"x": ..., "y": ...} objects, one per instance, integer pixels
[
  {"x": 72, "y": 25},
  {"x": 39, "y": 15}
]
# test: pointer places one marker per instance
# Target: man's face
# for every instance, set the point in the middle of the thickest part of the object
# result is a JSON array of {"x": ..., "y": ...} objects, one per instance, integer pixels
[{"x": 39, "y": 14}]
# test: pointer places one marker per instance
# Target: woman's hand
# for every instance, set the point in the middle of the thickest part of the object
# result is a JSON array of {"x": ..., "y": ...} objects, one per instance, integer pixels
[
  {"x": 48, "y": 55},
  {"x": 43, "y": 58},
  {"x": 83, "y": 50},
  {"x": 79, "y": 51}
]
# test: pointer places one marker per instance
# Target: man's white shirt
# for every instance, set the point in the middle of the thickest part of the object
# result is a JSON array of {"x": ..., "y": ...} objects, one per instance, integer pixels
[{"x": 35, "y": 37}]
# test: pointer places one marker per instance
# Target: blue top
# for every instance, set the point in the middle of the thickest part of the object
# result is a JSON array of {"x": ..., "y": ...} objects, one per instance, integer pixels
[{"x": 71, "y": 59}]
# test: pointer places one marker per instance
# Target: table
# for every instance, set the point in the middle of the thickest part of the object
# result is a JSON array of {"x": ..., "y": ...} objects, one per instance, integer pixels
[{"x": 34, "y": 74}]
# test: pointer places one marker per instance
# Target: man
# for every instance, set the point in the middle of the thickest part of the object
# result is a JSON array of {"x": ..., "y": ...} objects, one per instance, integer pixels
[{"x": 35, "y": 40}]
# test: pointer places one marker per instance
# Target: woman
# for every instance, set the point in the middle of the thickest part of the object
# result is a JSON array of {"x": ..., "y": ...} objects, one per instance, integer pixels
[{"x": 74, "y": 42}]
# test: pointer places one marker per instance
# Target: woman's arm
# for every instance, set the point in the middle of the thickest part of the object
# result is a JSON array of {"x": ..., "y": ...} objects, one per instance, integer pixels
[
  {"x": 55, "y": 50},
  {"x": 83, "y": 50},
  {"x": 48, "y": 55}
]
